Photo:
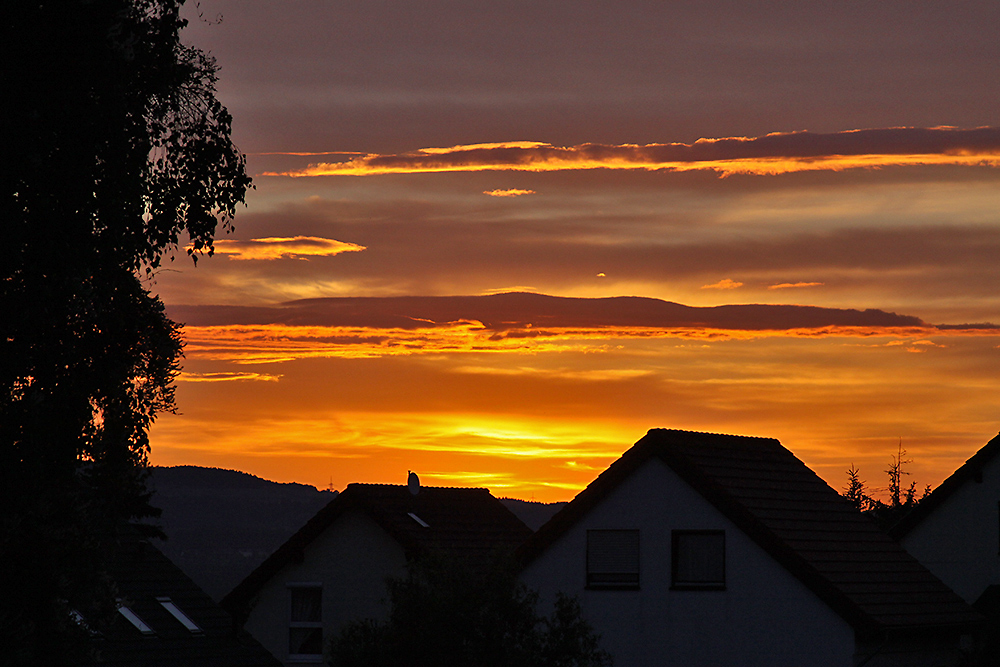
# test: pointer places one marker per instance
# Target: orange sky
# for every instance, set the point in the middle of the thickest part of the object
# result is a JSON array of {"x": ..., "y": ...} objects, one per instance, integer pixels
[{"x": 448, "y": 153}]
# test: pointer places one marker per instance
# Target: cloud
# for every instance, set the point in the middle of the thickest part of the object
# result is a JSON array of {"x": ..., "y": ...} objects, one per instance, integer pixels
[
  {"x": 793, "y": 285},
  {"x": 776, "y": 153},
  {"x": 725, "y": 283},
  {"x": 508, "y": 193},
  {"x": 517, "y": 311},
  {"x": 276, "y": 247},
  {"x": 227, "y": 377},
  {"x": 377, "y": 327}
]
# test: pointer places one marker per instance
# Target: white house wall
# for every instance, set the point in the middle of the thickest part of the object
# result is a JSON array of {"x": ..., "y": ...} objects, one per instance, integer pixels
[
  {"x": 351, "y": 559},
  {"x": 960, "y": 540},
  {"x": 765, "y": 616}
]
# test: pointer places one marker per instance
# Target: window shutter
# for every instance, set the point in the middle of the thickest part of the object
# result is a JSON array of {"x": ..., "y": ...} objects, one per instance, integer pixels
[{"x": 613, "y": 558}]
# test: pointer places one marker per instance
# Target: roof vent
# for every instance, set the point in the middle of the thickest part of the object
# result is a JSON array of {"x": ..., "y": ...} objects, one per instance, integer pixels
[{"x": 413, "y": 483}]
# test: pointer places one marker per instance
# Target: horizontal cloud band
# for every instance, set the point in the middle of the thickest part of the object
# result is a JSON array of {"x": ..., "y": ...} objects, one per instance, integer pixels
[
  {"x": 279, "y": 247},
  {"x": 521, "y": 311},
  {"x": 769, "y": 154}
]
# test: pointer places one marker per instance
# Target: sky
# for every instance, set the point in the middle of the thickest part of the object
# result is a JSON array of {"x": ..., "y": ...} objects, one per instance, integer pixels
[{"x": 495, "y": 243}]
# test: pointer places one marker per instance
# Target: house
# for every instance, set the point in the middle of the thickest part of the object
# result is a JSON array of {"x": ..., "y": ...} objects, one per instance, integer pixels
[
  {"x": 166, "y": 620},
  {"x": 703, "y": 549},
  {"x": 334, "y": 569},
  {"x": 955, "y": 531}
]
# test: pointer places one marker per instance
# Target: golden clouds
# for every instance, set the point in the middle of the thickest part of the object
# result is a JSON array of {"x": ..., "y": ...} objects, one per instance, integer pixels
[
  {"x": 508, "y": 193},
  {"x": 275, "y": 247},
  {"x": 227, "y": 377},
  {"x": 725, "y": 283},
  {"x": 793, "y": 285},
  {"x": 266, "y": 344},
  {"x": 775, "y": 153}
]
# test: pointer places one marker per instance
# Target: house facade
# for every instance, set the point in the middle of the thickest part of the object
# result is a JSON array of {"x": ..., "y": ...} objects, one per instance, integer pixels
[
  {"x": 703, "y": 549},
  {"x": 334, "y": 570},
  {"x": 955, "y": 531}
]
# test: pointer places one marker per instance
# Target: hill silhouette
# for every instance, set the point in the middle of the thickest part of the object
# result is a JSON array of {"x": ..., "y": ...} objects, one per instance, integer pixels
[{"x": 221, "y": 524}]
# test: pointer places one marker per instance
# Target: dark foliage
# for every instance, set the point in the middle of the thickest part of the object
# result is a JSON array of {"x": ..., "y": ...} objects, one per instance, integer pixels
[
  {"x": 113, "y": 146},
  {"x": 444, "y": 614},
  {"x": 901, "y": 501}
]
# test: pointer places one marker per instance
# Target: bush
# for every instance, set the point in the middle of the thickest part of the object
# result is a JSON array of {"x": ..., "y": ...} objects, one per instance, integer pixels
[{"x": 444, "y": 614}]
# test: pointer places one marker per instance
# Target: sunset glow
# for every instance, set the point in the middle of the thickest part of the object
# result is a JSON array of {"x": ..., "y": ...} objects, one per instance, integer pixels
[{"x": 800, "y": 215}]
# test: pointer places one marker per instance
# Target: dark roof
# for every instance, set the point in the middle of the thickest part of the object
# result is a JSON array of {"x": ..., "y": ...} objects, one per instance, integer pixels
[
  {"x": 971, "y": 470},
  {"x": 143, "y": 574},
  {"x": 466, "y": 523},
  {"x": 817, "y": 535}
]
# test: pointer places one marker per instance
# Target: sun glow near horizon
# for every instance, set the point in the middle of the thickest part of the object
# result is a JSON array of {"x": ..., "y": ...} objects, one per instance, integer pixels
[{"x": 539, "y": 417}]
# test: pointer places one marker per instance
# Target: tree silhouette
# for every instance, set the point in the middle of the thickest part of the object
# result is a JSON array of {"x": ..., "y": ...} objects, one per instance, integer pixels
[
  {"x": 446, "y": 614},
  {"x": 857, "y": 490},
  {"x": 114, "y": 145},
  {"x": 901, "y": 501}
]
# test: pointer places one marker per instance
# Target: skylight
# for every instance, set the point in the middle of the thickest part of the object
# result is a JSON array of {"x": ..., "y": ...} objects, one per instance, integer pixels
[
  {"x": 418, "y": 520},
  {"x": 132, "y": 618},
  {"x": 82, "y": 622},
  {"x": 176, "y": 612}
]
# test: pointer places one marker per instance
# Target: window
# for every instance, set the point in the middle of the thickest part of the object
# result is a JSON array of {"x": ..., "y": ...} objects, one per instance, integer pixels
[
  {"x": 305, "y": 627},
  {"x": 183, "y": 618},
  {"x": 613, "y": 559},
  {"x": 698, "y": 560},
  {"x": 134, "y": 619}
]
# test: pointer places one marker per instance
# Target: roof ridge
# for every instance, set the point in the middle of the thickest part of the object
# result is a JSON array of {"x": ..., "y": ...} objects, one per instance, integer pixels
[
  {"x": 423, "y": 487},
  {"x": 712, "y": 433}
]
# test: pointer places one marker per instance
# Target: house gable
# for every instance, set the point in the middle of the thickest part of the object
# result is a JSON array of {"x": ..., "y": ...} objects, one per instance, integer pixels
[
  {"x": 762, "y": 610},
  {"x": 349, "y": 562},
  {"x": 344, "y": 554},
  {"x": 773, "y": 501},
  {"x": 955, "y": 531}
]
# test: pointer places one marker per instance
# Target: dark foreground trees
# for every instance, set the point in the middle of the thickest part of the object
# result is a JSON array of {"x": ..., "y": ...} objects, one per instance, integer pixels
[
  {"x": 114, "y": 147},
  {"x": 901, "y": 500},
  {"x": 446, "y": 615}
]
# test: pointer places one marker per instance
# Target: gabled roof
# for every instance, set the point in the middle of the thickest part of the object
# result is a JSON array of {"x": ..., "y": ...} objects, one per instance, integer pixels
[
  {"x": 971, "y": 470},
  {"x": 858, "y": 570},
  {"x": 144, "y": 576},
  {"x": 467, "y": 523}
]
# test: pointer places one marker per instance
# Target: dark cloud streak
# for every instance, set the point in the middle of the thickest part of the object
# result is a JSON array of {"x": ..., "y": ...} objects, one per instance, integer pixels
[{"x": 512, "y": 311}]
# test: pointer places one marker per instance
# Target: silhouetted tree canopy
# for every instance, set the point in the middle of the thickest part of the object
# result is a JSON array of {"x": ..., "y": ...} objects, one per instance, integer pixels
[
  {"x": 444, "y": 614},
  {"x": 901, "y": 501},
  {"x": 114, "y": 149}
]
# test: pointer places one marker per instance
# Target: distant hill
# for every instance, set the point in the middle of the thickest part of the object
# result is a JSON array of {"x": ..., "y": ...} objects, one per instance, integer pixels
[
  {"x": 221, "y": 524},
  {"x": 534, "y": 515}
]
